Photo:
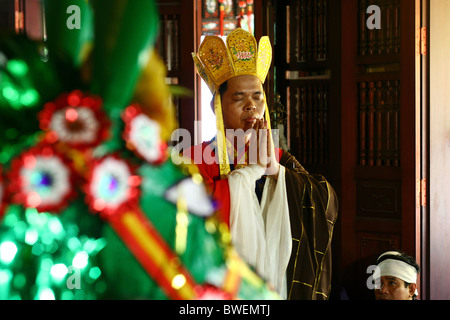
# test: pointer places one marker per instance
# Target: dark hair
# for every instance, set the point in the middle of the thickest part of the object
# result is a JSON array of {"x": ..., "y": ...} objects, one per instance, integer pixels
[
  {"x": 222, "y": 89},
  {"x": 402, "y": 257}
]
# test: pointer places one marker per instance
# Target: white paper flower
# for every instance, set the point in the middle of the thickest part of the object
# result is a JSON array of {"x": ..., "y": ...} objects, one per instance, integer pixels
[
  {"x": 112, "y": 184},
  {"x": 145, "y": 135},
  {"x": 41, "y": 179},
  {"x": 195, "y": 195},
  {"x": 75, "y": 125}
]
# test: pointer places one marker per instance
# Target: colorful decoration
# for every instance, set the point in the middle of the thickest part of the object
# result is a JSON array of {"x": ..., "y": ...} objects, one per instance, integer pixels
[
  {"x": 210, "y": 292},
  {"x": 111, "y": 185},
  {"x": 250, "y": 16},
  {"x": 75, "y": 119},
  {"x": 85, "y": 218},
  {"x": 41, "y": 178},
  {"x": 153, "y": 253},
  {"x": 221, "y": 17},
  {"x": 143, "y": 135}
]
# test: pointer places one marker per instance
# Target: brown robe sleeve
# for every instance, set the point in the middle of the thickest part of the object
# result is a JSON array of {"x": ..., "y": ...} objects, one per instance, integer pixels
[{"x": 313, "y": 209}]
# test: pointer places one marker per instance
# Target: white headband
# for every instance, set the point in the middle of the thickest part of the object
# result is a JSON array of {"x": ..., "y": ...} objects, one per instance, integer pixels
[{"x": 399, "y": 269}]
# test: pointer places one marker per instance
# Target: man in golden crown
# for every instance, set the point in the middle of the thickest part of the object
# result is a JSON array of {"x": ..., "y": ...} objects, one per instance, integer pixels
[{"x": 280, "y": 217}]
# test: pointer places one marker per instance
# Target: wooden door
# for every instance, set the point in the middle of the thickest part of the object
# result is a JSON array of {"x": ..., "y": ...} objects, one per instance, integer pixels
[
  {"x": 350, "y": 92},
  {"x": 379, "y": 150}
]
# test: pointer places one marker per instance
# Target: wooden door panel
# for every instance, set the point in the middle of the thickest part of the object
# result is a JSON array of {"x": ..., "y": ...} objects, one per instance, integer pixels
[
  {"x": 382, "y": 185},
  {"x": 350, "y": 97}
]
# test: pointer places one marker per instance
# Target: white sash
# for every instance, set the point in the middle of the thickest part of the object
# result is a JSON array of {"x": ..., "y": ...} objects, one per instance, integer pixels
[{"x": 261, "y": 233}]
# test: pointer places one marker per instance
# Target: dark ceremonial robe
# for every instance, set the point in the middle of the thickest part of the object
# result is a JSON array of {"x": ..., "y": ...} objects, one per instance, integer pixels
[{"x": 313, "y": 211}]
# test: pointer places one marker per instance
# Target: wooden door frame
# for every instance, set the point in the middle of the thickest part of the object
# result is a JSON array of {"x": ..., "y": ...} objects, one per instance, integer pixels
[
  {"x": 422, "y": 147},
  {"x": 410, "y": 171}
]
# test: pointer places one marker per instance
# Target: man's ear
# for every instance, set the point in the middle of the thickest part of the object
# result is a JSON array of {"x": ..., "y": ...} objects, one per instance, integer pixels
[{"x": 412, "y": 289}]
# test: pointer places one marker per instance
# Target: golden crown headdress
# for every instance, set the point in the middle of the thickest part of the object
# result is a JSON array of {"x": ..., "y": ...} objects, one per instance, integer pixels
[{"x": 217, "y": 62}]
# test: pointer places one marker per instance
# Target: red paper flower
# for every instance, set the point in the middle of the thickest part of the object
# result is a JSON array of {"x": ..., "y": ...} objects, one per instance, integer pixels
[
  {"x": 210, "y": 292},
  {"x": 75, "y": 119},
  {"x": 41, "y": 178},
  {"x": 142, "y": 135},
  {"x": 112, "y": 186}
]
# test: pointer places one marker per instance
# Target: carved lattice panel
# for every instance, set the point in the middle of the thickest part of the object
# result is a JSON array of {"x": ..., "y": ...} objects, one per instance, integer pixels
[
  {"x": 311, "y": 113},
  {"x": 308, "y": 33},
  {"x": 383, "y": 41},
  {"x": 379, "y": 108}
]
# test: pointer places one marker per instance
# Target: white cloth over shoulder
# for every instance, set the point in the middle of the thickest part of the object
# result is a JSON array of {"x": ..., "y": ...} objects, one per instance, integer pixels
[{"x": 261, "y": 233}]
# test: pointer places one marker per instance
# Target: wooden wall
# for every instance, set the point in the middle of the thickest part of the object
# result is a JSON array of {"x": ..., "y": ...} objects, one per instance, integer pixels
[{"x": 439, "y": 202}]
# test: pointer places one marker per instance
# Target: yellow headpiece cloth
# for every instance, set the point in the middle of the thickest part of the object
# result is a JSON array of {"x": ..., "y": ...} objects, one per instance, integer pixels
[{"x": 216, "y": 63}]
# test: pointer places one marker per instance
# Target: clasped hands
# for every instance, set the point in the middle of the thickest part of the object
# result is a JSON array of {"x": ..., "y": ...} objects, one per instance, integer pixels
[{"x": 266, "y": 157}]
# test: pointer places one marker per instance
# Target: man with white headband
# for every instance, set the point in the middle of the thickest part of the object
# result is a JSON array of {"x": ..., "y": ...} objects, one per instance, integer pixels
[{"x": 396, "y": 276}]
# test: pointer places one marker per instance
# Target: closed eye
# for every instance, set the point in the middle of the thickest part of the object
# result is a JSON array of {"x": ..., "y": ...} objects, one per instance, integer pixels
[
  {"x": 238, "y": 96},
  {"x": 257, "y": 95}
]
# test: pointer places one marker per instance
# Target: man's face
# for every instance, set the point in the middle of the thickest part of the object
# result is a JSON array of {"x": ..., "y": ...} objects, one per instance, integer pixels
[
  {"x": 393, "y": 288},
  {"x": 243, "y": 102}
]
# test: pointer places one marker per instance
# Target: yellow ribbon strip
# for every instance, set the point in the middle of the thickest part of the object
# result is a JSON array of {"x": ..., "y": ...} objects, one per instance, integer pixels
[
  {"x": 175, "y": 280},
  {"x": 224, "y": 163}
]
